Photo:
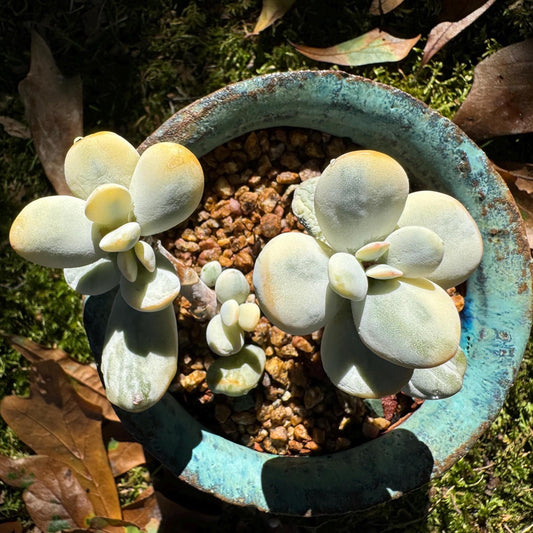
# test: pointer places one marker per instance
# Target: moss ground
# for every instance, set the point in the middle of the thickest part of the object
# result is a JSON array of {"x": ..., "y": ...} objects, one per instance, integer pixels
[{"x": 142, "y": 61}]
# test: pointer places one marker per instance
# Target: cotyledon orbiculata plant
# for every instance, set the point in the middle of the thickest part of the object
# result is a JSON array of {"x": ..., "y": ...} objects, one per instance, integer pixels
[
  {"x": 96, "y": 237},
  {"x": 373, "y": 270}
]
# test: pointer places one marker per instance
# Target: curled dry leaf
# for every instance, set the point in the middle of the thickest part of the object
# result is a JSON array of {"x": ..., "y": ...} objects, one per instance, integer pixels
[
  {"x": 271, "y": 11},
  {"x": 446, "y": 31},
  {"x": 54, "y": 497},
  {"x": 123, "y": 456},
  {"x": 501, "y": 99},
  {"x": 54, "y": 111},
  {"x": 376, "y": 46},
  {"x": 381, "y": 7},
  {"x": 52, "y": 423}
]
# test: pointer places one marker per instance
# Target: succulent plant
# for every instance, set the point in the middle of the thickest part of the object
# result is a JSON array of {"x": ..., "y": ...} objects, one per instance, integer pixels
[
  {"x": 240, "y": 366},
  {"x": 95, "y": 236},
  {"x": 373, "y": 270}
]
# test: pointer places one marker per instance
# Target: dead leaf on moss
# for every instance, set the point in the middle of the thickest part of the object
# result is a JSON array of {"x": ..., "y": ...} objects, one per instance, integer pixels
[
  {"x": 271, "y": 11},
  {"x": 15, "y": 129},
  {"x": 145, "y": 511},
  {"x": 123, "y": 456},
  {"x": 376, "y": 46},
  {"x": 381, "y": 7},
  {"x": 54, "y": 111},
  {"x": 52, "y": 423},
  {"x": 54, "y": 497},
  {"x": 445, "y": 31},
  {"x": 501, "y": 99},
  {"x": 88, "y": 384}
]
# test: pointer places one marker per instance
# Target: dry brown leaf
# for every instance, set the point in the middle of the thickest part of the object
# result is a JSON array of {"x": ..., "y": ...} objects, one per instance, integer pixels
[
  {"x": 15, "y": 128},
  {"x": 123, "y": 456},
  {"x": 52, "y": 423},
  {"x": 445, "y": 31},
  {"x": 54, "y": 111},
  {"x": 381, "y": 7},
  {"x": 53, "y": 495},
  {"x": 144, "y": 511},
  {"x": 501, "y": 99},
  {"x": 88, "y": 386},
  {"x": 376, "y": 46},
  {"x": 271, "y": 11},
  {"x": 11, "y": 527}
]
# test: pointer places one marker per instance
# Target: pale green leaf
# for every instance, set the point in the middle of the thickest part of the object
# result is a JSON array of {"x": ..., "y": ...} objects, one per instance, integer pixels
[
  {"x": 271, "y": 11},
  {"x": 93, "y": 279}
]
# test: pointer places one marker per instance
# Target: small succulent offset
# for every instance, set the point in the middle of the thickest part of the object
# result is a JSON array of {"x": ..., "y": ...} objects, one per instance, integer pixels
[
  {"x": 240, "y": 366},
  {"x": 95, "y": 236},
  {"x": 373, "y": 270}
]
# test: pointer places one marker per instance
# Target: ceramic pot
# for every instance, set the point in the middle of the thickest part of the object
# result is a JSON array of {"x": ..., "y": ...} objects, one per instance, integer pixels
[{"x": 496, "y": 320}]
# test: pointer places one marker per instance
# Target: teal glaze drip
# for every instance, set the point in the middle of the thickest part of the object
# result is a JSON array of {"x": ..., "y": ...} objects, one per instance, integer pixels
[{"x": 496, "y": 321}]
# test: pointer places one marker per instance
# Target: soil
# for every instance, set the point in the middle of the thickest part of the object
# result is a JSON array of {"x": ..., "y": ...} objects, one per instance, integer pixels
[{"x": 295, "y": 410}]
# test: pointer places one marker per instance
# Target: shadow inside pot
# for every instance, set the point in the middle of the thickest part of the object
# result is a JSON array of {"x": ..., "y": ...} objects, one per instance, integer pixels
[{"x": 359, "y": 478}]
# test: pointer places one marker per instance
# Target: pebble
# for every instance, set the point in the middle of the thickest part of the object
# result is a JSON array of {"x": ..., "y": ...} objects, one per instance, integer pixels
[{"x": 190, "y": 381}]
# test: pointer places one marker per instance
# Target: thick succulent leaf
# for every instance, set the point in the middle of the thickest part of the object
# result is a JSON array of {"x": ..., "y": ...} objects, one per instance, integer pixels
[
  {"x": 222, "y": 339},
  {"x": 145, "y": 254},
  {"x": 127, "y": 265},
  {"x": 409, "y": 322},
  {"x": 249, "y": 315},
  {"x": 237, "y": 374},
  {"x": 121, "y": 239},
  {"x": 372, "y": 251},
  {"x": 109, "y": 204},
  {"x": 102, "y": 157},
  {"x": 415, "y": 250},
  {"x": 439, "y": 382},
  {"x": 229, "y": 313},
  {"x": 303, "y": 207},
  {"x": 210, "y": 272},
  {"x": 291, "y": 283},
  {"x": 152, "y": 291},
  {"x": 347, "y": 277},
  {"x": 139, "y": 358},
  {"x": 359, "y": 198},
  {"x": 96, "y": 278},
  {"x": 449, "y": 219},
  {"x": 166, "y": 187},
  {"x": 54, "y": 232},
  {"x": 383, "y": 271},
  {"x": 352, "y": 367},
  {"x": 232, "y": 285}
]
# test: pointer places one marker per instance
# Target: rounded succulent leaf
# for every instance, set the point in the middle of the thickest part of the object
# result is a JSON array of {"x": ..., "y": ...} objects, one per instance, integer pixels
[
  {"x": 359, "y": 198},
  {"x": 383, "y": 271},
  {"x": 237, "y": 374},
  {"x": 102, "y": 157},
  {"x": 210, "y": 272},
  {"x": 249, "y": 315},
  {"x": 415, "y": 250},
  {"x": 127, "y": 265},
  {"x": 139, "y": 358},
  {"x": 229, "y": 313},
  {"x": 109, "y": 204},
  {"x": 439, "y": 382},
  {"x": 93, "y": 279},
  {"x": 449, "y": 219},
  {"x": 372, "y": 251},
  {"x": 409, "y": 322},
  {"x": 166, "y": 187},
  {"x": 352, "y": 367},
  {"x": 223, "y": 340},
  {"x": 292, "y": 285},
  {"x": 54, "y": 232},
  {"x": 145, "y": 254},
  {"x": 121, "y": 239},
  {"x": 152, "y": 291},
  {"x": 232, "y": 285},
  {"x": 347, "y": 277}
]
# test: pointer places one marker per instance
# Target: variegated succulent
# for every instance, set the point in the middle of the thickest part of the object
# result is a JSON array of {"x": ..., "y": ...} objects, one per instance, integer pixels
[
  {"x": 96, "y": 237},
  {"x": 373, "y": 270}
]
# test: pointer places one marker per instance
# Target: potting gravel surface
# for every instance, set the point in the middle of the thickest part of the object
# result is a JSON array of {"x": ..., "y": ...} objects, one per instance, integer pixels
[{"x": 295, "y": 409}]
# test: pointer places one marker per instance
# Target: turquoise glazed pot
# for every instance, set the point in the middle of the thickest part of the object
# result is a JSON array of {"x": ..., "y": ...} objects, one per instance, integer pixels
[{"x": 496, "y": 320}]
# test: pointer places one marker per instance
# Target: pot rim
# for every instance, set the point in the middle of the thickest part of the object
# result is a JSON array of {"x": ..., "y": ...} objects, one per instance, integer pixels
[{"x": 496, "y": 321}]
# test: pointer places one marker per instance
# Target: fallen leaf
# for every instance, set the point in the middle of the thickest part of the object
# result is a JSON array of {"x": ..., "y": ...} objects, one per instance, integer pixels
[
  {"x": 520, "y": 174},
  {"x": 376, "y": 46},
  {"x": 52, "y": 423},
  {"x": 54, "y": 111},
  {"x": 144, "y": 511},
  {"x": 445, "y": 31},
  {"x": 54, "y": 498},
  {"x": 15, "y": 128},
  {"x": 501, "y": 99},
  {"x": 123, "y": 456},
  {"x": 524, "y": 201},
  {"x": 381, "y": 7},
  {"x": 271, "y": 11},
  {"x": 88, "y": 386},
  {"x": 11, "y": 527}
]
